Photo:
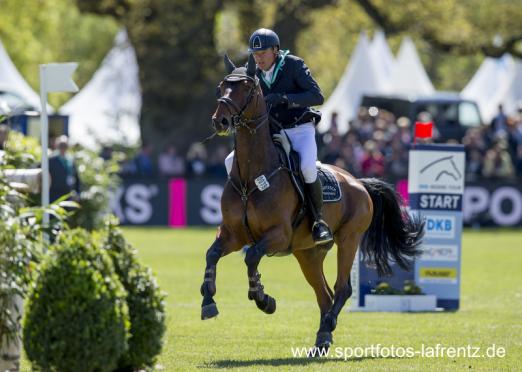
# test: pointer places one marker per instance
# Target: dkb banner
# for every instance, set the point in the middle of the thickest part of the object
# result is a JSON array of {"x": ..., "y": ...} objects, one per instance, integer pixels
[{"x": 436, "y": 187}]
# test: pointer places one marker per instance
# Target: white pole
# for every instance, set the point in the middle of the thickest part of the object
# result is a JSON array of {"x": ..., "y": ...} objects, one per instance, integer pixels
[{"x": 44, "y": 141}]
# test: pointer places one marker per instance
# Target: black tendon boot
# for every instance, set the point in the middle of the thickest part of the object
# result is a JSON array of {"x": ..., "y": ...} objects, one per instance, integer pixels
[{"x": 320, "y": 231}]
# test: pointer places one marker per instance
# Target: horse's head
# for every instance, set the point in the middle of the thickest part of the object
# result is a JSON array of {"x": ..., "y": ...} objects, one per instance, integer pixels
[{"x": 239, "y": 102}]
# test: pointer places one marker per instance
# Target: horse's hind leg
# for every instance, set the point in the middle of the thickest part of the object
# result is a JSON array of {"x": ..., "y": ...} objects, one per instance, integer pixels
[
  {"x": 311, "y": 262},
  {"x": 347, "y": 243}
]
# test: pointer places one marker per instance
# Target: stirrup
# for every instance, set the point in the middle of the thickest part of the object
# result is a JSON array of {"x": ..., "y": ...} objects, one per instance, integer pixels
[{"x": 321, "y": 237}]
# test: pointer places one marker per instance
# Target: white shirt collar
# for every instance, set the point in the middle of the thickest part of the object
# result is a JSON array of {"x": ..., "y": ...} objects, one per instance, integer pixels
[{"x": 268, "y": 74}]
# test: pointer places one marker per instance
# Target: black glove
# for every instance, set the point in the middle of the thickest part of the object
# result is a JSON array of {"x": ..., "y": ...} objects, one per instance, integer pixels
[{"x": 276, "y": 99}]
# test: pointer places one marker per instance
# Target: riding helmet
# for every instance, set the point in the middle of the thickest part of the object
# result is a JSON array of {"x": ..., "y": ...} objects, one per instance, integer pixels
[{"x": 262, "y": 39}]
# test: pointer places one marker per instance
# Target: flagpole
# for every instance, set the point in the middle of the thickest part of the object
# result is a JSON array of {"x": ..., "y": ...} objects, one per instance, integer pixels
[{"x": 44, "y": 133}]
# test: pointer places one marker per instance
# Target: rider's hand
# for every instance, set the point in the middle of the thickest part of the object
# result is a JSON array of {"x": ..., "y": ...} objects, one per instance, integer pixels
[{"x": 276, "y": 99}]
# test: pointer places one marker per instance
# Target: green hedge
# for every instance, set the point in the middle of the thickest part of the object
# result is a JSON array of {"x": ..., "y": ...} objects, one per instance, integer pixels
[
  {"x": 76, "y": 314},
  {"x": 144, "y": 299}
]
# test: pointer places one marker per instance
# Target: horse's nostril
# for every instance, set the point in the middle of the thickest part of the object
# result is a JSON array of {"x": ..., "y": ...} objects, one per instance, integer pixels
[{"x": 224, "y": 122}]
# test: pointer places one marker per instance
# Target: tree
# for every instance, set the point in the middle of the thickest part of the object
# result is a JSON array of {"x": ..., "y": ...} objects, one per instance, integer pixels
[
  {"x": 490, "y": 27},
  {"x": 179, "y": 67}
]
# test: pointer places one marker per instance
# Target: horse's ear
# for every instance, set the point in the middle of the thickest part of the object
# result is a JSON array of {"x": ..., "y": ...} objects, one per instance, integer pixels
[
  {"x": 229, "y": 65},
  {"x": 251, "y": 67}
]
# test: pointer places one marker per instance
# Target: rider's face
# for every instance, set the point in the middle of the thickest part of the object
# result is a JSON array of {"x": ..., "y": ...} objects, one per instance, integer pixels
[{"x": 265, "y": 58}]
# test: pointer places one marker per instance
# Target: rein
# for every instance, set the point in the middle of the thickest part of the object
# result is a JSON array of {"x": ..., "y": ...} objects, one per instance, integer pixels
[{"x": 238, "y": 122}]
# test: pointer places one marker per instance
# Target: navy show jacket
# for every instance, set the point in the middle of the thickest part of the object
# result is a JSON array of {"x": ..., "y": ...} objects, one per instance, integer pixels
[{"x": 294, "y": 80}]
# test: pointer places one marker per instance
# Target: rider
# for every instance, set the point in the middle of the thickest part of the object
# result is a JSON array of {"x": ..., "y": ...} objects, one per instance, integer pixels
[{"x": 289, "y": 90}]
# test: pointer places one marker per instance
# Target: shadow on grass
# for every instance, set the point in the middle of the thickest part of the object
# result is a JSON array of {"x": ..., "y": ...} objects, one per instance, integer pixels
[{"x": 278, "y": 362}]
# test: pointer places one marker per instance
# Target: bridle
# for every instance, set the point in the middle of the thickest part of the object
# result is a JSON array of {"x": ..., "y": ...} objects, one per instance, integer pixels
[{"x": 236, "y": 112}]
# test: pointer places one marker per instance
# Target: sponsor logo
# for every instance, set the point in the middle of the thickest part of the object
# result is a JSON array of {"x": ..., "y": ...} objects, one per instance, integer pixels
[
  {"x": 133, "y": 204},
  {"x": 443, "y": 168},
  {"x": 433, "y": 252},
  {"x": 435, "y": 171},
  {"x": 440, "y": 226},
  {"x": 442, "y": 275},
  {"x": 503, "y": 205}
]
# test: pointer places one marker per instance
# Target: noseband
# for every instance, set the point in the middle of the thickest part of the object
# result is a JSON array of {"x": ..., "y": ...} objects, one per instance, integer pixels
[{"x": 236, "y": 112}]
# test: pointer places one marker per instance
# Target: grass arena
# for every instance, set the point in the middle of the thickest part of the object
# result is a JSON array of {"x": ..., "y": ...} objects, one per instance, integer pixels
[{"x": 485, "y": 334}]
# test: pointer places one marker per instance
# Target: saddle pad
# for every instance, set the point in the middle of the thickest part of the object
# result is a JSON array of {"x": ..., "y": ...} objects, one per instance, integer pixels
[{"x": 331, "y": 187}]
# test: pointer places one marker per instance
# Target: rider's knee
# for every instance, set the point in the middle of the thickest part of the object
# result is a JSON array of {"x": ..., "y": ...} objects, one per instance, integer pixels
[{"x": 309, "y": 173}]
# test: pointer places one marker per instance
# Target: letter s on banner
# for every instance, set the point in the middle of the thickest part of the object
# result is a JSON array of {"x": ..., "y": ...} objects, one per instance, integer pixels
[{"x": 211, "y": 200}]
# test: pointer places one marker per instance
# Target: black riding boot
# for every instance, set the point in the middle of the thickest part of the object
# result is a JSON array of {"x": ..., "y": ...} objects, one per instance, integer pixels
[{"x": 320, "y": 231}]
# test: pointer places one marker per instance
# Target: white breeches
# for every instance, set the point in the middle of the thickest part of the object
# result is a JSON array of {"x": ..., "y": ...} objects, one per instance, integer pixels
[{"x": 303, "y": 141}]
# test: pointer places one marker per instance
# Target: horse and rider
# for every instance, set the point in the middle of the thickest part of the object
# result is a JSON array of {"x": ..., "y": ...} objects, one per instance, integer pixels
[{"x": 272, "y": 97}]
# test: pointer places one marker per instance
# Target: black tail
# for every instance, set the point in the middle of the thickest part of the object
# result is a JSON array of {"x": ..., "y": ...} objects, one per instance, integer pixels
[{"x": 393, "y": 234}]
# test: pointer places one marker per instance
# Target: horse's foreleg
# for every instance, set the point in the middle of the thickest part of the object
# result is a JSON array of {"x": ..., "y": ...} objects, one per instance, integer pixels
[
  {"x": 208, "y": 288},
  {"x": 256, "y": 291}
]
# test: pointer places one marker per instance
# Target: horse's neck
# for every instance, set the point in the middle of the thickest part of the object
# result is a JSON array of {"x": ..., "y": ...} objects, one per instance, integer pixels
[{"x": 255, "y": 154}]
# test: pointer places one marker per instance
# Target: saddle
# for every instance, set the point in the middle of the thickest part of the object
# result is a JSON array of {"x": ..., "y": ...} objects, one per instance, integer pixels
[{"x": 290, "y": 159}]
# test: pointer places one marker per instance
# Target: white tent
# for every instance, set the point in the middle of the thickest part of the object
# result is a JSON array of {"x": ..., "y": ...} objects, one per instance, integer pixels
[
  {"x": 383, "y": 58},
  {"x": 497, "y": 81},
  {"x": 11, "y": 80},
  {"x": 408, "y": 75},
  {"x": 107, "y": 109},
  {"x": 360, "y": 77}
]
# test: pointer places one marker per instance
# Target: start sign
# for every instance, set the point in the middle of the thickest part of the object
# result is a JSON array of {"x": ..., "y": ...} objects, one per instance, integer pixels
[{"x": 436, "y": 189}]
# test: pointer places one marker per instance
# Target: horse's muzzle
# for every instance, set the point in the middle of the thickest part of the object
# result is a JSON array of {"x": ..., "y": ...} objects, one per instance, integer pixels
[{"x": 221, "y": 126}]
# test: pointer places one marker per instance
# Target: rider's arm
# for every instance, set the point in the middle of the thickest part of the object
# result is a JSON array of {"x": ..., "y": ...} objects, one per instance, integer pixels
[{"x": 311, "y": 93}]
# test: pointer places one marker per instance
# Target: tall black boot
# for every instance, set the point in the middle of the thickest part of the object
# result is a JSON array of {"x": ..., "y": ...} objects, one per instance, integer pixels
[{"x": 320, "y": 231}]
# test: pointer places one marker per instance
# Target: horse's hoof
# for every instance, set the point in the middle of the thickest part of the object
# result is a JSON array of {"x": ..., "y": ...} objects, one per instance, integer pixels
[
  {"x": 209, "y": 311},
  {"x": 268, "y": 305},
  {"x": 324, "y": 340}
]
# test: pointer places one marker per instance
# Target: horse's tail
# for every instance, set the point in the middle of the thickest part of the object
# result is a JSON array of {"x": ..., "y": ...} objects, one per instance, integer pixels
[{"x": 393, "y": 234}]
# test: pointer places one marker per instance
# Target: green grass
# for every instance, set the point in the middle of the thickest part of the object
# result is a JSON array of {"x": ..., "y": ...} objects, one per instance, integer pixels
[{"x": 244, "y": 338}]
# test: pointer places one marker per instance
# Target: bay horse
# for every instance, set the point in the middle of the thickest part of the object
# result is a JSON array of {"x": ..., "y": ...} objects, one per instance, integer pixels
[{"x": 368, "y": 215}]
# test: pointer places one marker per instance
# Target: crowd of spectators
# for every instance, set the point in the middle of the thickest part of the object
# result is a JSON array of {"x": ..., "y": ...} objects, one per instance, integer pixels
[{"x": 376, "y": 145}]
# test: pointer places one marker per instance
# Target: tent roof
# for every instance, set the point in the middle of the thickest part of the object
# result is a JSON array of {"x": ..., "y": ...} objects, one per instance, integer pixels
[
  {"x": 107, "y": 109},
  {"x": 11, "y": 80},
  {"x": 497, "y": 81},
  {"x": 408, "y": 75},
  {"x": 360, "y": 77}
]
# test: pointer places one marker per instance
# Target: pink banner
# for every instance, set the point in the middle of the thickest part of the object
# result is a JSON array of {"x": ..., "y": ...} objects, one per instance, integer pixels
[
  {"x": 178, "y": 200},
  {"x": 402, "y": 189}
]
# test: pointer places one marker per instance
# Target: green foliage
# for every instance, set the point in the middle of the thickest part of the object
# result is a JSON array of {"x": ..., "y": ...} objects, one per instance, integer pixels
[
  {"x": 144, "y": 300},
  {"x": 98, "y": 177},
  {"x": 409, "y": 288},
  {"x": 19, "y": 253},
  {"x": 21, "y": 151},
  {"x": 77, "y": 317},
  {"x": 32, "y": 31}
]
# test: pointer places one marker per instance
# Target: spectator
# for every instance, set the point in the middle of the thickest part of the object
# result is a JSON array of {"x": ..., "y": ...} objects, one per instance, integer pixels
[
  {"x": 106, "y": 152},
  {"x": 497, "y": 162},
  {"x": 64, "y": 177},
  {"x": 4, "y": 134},
  {"x": 216, "y": 167},
  {"x": 144, "y": 163},
  {"x": 170, "y": 164},
  {"x": 373, "y": 161},
  {"x": 196, "y": 160},
  {"x": 474, "y": 164},
  {"x": 499, "y": 122}
]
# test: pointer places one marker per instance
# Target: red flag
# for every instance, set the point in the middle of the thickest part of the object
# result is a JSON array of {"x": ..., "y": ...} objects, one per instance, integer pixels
[{"x": 423, "y": 130}]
